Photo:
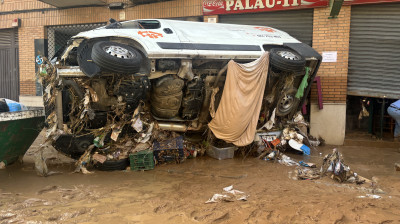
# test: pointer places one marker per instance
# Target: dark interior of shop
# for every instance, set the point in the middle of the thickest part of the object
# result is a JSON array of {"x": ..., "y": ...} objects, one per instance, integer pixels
[{"x": 368, "y": 117}]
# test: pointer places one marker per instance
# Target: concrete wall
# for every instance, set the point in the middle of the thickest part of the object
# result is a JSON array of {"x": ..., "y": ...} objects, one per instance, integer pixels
[
  {"x": 31, "y": 101},
  {"x": 329, "y": 123}
]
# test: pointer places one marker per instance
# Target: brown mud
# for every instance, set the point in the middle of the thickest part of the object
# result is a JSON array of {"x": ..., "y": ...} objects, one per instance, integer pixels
[{"x": 176, "y": 193}]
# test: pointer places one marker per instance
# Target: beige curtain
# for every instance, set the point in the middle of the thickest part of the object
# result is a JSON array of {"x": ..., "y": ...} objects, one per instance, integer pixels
[{"x": 237, "y": 115}]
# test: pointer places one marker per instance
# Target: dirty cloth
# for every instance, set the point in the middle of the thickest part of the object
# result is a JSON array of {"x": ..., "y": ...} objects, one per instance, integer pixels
[
  {"x": 303, "y": 84},
  {"x": 236, "y": 118}
]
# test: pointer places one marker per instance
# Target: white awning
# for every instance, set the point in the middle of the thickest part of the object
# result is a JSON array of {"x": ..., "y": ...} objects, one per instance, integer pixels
[{"x": 73, "y": 3}]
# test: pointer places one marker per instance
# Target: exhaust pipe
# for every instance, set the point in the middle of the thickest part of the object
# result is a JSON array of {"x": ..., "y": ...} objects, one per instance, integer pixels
[{"x": 172, "y": 127}]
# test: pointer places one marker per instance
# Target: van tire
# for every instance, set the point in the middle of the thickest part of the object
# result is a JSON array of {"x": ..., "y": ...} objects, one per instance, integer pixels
[
  {"x": 110, "y": 165},
  {"x": 286, "y": 60},
  {"x": 116, "y": 57},
  {"x": 287, "y": 102}
]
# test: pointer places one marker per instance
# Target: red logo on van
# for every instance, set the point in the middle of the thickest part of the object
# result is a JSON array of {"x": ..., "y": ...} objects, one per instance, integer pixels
[
  {"x": 150, "y": 34},
  {"x": 265, "y": 29}
]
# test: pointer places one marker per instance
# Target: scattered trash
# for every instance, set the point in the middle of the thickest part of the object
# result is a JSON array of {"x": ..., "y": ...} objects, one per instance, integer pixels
[
  {"x": 303, "y": 173},
  {"x": 229, "y": 195},
  {"x": 40, "y": 163},
  {"x": 99, "y": 158},
  {"x": 286, "y": 160},
  {"x": 315, "y": 142},
  {"x": 397, "y": 166},
  {"x": 371, "y": 196},
  {"x": 2, "y": 165},
  {"x": 270, "y": 124},
  {"x": 83, "y": 162},
  {"x": 300, "y": 147},
  {"x": 218, "y": 197},
  {"x": 333, "y": 163},
  {"x": 278, "y": 156},
  {"x": 311, "y": 165}
]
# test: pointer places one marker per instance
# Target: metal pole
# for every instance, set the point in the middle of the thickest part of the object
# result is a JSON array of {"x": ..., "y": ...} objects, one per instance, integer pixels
[{"x": 382, "y": 115}]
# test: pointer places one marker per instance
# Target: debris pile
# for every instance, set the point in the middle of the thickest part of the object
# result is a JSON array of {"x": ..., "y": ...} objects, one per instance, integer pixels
[
  {"x": 104, "y": 120},
  {"x": 334, "y": 165},
  {"x": 291, "y": 135},
  {"x": 111, "y": 130}
]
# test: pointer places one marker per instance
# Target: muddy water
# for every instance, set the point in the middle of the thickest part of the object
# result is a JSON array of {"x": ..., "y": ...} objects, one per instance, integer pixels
[{"x": 176, "y": 193}]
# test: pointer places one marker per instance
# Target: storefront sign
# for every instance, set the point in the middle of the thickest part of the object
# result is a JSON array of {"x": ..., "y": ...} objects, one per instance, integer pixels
[
  {"x": 359, "y": 2},
  {"x": 215, "y": 7}
]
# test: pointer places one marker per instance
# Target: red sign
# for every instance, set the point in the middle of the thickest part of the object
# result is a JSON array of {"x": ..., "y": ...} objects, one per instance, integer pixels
[
  {"x": 215, "y": 7},
  {"x": 359, "y": 2}
]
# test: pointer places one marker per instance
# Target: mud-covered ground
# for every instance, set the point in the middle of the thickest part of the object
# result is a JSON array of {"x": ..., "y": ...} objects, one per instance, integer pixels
[{"x": 176, "y": 193}]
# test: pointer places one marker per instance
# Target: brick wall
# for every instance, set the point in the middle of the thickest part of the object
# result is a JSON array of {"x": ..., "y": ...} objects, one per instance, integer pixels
[
  {"x": 26, "y": 36},
  {"x": 332, "y": 35},
  {"x": 33, "y": 24}
]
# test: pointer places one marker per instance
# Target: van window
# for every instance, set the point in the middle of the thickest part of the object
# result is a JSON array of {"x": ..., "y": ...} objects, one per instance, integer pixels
[{"x": 139, "y": 24}]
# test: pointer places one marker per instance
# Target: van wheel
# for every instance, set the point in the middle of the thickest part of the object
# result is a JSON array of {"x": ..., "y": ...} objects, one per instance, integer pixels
[
  {"x": 110, "y": 165},
  {"x": 116, "y": 57},
  {"x": 287, "y": 102},
  {"x": 286, "y": 60}
]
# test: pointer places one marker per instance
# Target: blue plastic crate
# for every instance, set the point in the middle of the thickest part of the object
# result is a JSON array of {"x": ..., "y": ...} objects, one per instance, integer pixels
[{"x": 169, "y": 150}]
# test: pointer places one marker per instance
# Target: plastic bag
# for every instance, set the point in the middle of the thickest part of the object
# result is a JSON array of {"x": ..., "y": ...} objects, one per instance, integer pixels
[{"x": 15, "y": 106}]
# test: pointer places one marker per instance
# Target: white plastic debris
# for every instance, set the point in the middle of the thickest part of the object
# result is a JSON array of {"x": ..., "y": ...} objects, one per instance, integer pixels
[
  {"x": 2, "y": 165},
  {"x": 48, "y": 92},
  {"x": 314, "y": 143},
  {"x": 40, "y": 163},
  {"x": 138, "y": 125},
  {"x": 229, "y": 194},
  {"x": 216, "y": 198},
  {"x": 144, "y": 137},
  {"x": 371, "y": 196},
  {"x": 286, "y": 160},
  {"x": 229, "y": 188},
  {"x": 271, "y": 121},
  {"x": 298, "y": 117},
  {"x": 295, "y": 145},
  {"x": 116, "y": 130}
]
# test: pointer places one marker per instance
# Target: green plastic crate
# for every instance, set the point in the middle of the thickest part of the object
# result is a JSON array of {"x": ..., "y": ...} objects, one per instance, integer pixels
[{"x": 142, "y": 160}]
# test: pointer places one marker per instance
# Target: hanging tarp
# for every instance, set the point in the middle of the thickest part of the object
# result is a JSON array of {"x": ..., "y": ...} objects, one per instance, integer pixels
[{"x": 237, "y": 115}]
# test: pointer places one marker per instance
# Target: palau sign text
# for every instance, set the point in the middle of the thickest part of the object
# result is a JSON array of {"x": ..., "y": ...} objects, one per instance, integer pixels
[{"x": 215, "y": 7}]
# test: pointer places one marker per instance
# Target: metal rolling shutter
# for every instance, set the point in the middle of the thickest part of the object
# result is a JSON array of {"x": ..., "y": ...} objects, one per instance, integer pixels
[
  {"x": 9, "y": 67},
  {"x": 58, "y": 36},
  {"x": 297, "y": 23},
  {"x": 374, "y": 59}
]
